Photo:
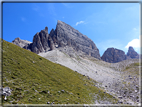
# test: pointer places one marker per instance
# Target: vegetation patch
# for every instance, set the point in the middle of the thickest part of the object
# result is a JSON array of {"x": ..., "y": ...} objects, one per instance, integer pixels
[
  {"x": 36, "y": 80},
  {"x": 136, "y": 64}
]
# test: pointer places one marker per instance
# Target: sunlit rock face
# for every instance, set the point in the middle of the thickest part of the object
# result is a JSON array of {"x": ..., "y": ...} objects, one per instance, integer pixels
[
  {"x": 20, "y": 43},
  {"x": 64, "y": 36},
  {"x": 68, "y": 36}
]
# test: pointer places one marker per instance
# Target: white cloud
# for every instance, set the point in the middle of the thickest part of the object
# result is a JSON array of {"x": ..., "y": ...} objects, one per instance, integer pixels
[
  {"x": 79, "y": 22},
  {"x": 135, "y": 43}
]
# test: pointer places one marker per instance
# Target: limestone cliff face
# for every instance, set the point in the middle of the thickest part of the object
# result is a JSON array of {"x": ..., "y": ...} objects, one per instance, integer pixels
[
  {"x": 63, "y": 36},
  {"x": 71, "y": 41},
  {"x": 40, "y": 42},
  {"x": 20, "y": 43},
  {"x": 113, "y": 55},
  {"x": 132, "y": 53}
]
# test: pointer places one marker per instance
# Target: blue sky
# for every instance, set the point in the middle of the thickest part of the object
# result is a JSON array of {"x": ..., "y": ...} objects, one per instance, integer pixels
[{"x": 107, "y": 24}]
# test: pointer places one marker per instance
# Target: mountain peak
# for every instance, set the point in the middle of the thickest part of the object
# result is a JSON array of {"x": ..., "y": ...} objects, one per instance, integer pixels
[
  {"x": 132, "y": 53},
  {"x": 68, "y": 36},
  {"x": 131, "y": 48},
  {"x": 64, "y": 36},
  {"x": 20, "y": 43},
  {"x": 113, "y": 55},
  {"x": 46, "y": 28},
  {"x": 59, "y": 21},
  {"x": 17, "y": 38}
]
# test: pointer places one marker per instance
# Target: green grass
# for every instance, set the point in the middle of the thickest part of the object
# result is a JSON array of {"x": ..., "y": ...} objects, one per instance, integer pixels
[
  {"x": 136, "y": 64},
  {"x": 36, "y": 80}
]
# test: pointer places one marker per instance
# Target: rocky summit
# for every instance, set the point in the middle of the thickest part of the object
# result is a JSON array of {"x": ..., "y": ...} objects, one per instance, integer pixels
[
  {"x": 68, "y": 36},
  {"x": 21, "y": 43},
  {"x": 113, "y": 55},
  {"x": 70, "y": 41},
  {"x": 132, "y": 53},
  {"x": 65, "y": 38},
  {"x": 42, "y": 42}
]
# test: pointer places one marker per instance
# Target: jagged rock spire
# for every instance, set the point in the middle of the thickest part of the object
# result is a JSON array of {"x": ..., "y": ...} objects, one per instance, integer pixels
[
  {"x": 63, "y": 36},
  {"x": 132, "y": 53},
  {"x": 46, "y": 28}
]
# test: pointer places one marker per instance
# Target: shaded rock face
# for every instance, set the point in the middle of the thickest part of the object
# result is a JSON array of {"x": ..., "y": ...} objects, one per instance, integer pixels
[
  {"x": 132, "y": 53},
  {"x": 20, "y": 43},
  {"x": 113, "y": 55},
  {"x": 63, "y": 36},
  {"x": 42, "y": 42}
]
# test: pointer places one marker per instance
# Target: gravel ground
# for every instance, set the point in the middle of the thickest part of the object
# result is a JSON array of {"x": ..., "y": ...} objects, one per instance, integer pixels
[{"x": 109, "y": 76}]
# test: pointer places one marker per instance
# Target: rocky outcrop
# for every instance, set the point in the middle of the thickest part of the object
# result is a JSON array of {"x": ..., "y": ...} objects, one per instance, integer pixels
[
  {"x": 20, "y": 43},
  {"x": 113, "y": 55},
  {"x": 64, "y": 36},
  {"x": 132, "y": 53},
  {"x": 5, "y": 92},
  {"x": 40, "y": 42}
]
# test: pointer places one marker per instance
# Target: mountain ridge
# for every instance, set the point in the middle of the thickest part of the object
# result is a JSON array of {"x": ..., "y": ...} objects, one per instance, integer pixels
[
  {"x": 67, "y": 39},
  {"x": 63, "y": 36},
  {"x": 63, "y": 47},
  {"x": 113, "y": 55}
]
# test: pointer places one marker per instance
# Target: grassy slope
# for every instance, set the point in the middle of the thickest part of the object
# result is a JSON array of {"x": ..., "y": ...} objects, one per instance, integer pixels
[{"x": 35, "y": 80}]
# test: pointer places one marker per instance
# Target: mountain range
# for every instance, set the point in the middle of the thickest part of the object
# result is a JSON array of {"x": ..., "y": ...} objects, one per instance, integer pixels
[
  {"x": 67, "y": 39},
  {"x": 116, "y": 73}
]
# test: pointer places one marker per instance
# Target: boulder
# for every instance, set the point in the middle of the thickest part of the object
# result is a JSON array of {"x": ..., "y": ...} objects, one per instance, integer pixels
[{"x": 6, "y": 92}]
